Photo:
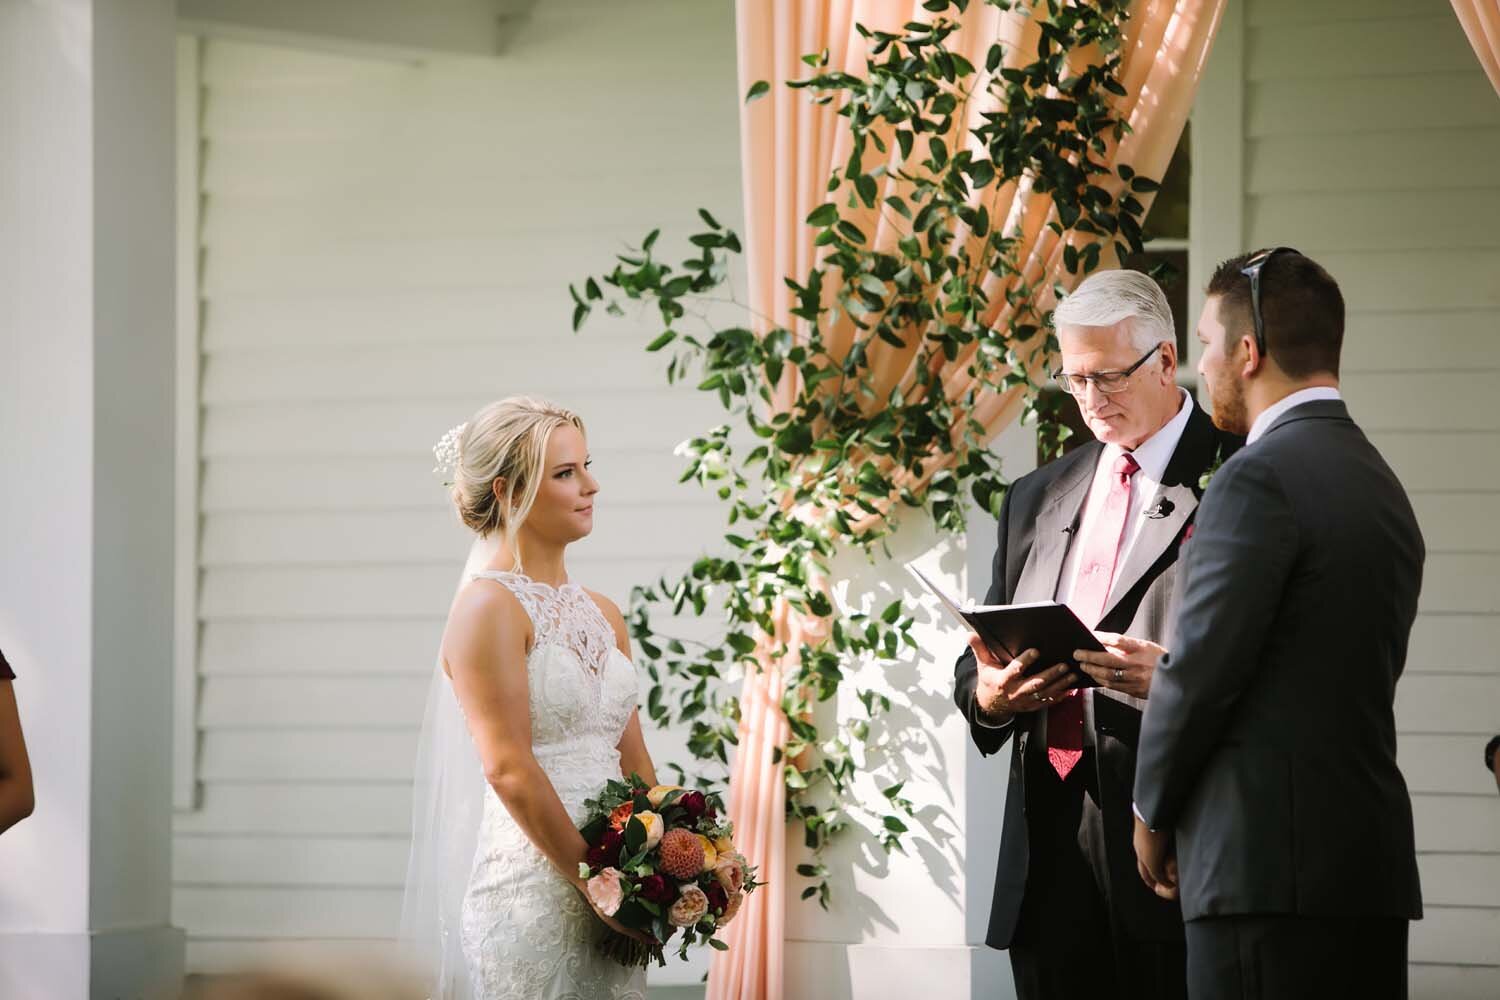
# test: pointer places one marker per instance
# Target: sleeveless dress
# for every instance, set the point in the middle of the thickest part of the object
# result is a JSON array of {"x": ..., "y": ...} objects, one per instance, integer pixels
[{"x": 526, "y": 932}]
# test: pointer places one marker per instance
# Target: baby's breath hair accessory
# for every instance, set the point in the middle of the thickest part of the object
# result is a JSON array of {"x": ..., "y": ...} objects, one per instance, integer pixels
[{"x": 446, "y": 453}]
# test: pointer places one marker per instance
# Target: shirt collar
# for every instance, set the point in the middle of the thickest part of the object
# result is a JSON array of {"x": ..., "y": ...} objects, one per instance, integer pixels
[
  {"x": 1270, "y": 414},
  {"x": 1154, "y": 453}
]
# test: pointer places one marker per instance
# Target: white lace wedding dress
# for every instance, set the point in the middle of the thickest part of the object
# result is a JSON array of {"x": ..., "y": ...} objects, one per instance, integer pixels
[{"x": 526, "y": 933}]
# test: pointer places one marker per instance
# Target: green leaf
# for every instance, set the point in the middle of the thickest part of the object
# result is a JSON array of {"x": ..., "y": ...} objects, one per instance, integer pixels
[
  {"x": 757, "y": 90},
  {"x": 717, "y": 945},
  {"x": 635, "y": 835},
  {"x": 795, "y": 439},
  {"x": 662, "y": 341},
  {"x": 824, "y": 215}
]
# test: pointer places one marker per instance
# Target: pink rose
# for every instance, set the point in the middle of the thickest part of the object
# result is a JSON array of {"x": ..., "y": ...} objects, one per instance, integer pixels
[
  {"x": 730, "y": 872},
  {"x": 731, "y": 908},
  {"x": 605, "y": 891},
  {"x": 691, "y": 905}
]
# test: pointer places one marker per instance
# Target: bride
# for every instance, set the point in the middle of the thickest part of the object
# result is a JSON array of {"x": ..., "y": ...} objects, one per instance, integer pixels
[{"x": 532, "y": 709}]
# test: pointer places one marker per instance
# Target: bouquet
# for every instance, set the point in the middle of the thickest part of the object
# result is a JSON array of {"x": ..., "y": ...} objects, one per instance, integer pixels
[{"x": 661, "y": 860}]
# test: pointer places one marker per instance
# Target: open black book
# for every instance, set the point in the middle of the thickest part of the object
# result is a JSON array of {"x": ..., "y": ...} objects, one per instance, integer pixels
[{"x": 1052, "y": 629}]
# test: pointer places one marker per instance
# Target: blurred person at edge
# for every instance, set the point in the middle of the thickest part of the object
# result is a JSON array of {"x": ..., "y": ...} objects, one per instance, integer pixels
[{"x": 17, "y": 797}]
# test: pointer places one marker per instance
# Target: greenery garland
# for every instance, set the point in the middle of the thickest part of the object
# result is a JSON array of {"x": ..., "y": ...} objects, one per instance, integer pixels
[{"x": 833, "y": 466}]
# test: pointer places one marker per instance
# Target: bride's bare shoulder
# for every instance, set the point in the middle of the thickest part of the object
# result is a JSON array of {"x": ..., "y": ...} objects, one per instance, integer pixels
[{"x": 485, "y": 610}]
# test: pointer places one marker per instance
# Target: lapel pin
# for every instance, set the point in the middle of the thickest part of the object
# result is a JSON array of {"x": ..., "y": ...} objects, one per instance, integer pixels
[{"x": 1162, "y": 508}]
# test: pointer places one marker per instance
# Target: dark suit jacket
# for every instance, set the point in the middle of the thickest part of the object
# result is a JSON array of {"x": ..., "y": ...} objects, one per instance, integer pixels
[
  {"x": 1270, "y": 742},
  {"x": 1036, "y": 520}
]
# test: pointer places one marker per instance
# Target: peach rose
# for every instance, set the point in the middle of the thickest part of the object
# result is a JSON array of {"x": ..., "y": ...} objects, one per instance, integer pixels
[
  {"x": 655, "y": 827},
  {"x": 606, "y": 892},
  {"x": 658, "y": 793},
  {"x": 730, "y": 872},
  {"x": 691, "y": 905}
]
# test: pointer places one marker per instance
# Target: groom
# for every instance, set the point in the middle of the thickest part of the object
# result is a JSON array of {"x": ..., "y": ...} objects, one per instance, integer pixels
[
  {"x": 1269, "y": 745},
  {"x": 1098, "y": 529}
]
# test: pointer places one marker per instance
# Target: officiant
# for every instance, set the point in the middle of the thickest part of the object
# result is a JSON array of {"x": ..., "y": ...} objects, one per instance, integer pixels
[{"x": 1099, "y": 530}]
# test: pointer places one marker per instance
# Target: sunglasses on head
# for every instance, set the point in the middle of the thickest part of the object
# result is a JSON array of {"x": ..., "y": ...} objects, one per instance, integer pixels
[{"x": 1252, "y": 271}]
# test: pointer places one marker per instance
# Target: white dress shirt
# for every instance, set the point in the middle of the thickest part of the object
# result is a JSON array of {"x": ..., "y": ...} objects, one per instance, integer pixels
[
  {"x": 1269, "y": 414},
  {"x": 1152, "y": 455}
]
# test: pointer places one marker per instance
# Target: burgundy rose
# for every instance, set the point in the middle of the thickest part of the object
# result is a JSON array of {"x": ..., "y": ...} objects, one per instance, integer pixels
[
  {"x": 694, "y": 804},
  {"x": 717, "y": 898},
  {"x": 606, "y": 853},
  {"x": 655, "y": 888}
]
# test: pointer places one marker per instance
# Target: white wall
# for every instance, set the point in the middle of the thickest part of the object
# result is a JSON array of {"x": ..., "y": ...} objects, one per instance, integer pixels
[
  {"x": 386, "y": 247},
  {"x": 1370, "y": 139}
]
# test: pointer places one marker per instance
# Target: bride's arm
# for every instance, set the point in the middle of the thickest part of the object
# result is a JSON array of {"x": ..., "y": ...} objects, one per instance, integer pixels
[
  {"x": 634, "y": 757},
  {"x": 484, "y": 648}
]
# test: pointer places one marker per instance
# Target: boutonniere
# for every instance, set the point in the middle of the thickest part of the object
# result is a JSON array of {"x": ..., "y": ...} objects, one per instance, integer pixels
[{"x": 1208, "y": 473}]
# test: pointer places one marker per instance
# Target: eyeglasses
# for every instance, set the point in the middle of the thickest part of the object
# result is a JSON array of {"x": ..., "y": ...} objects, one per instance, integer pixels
[
  {"x": 1252, "y": 271},
  {"x": 1107, "y": 382}
]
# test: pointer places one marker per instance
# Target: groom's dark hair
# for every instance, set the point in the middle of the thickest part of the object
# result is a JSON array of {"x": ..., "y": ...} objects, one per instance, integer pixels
[{"x": 1301, "y": 309}]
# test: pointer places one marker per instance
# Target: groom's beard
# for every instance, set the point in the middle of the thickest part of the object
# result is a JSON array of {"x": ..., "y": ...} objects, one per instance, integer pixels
[{"x": 1227, "y": 394}]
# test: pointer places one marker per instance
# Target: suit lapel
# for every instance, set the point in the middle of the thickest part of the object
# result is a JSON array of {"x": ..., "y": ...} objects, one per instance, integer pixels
[
  {"x": 1056, "y": 518},
  {"x": 1175, "y": 503}
]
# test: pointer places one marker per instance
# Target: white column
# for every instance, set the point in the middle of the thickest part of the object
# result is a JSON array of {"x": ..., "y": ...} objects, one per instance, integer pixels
[
  {"x": 913, "y": 925},
  {"x": 86, "y": 435}
]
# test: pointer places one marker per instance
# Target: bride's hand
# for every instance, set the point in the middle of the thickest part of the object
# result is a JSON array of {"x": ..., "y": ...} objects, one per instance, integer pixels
[{"x": 611, "y": 922}]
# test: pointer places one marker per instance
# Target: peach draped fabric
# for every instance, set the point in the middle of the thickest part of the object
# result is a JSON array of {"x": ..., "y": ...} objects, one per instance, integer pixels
[
  {"x": 790, "y": 146},
  {"x": 1481, "y": 21}
]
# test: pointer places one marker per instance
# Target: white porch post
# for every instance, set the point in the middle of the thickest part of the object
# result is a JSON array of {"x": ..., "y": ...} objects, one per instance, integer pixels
[
  {"x": 905, "y": 925},
  {"x": 86, "y": 441}
]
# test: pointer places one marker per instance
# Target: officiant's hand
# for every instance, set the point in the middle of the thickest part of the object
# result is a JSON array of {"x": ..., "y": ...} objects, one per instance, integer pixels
[
  {"x": 1004, "y": 690},
  {"x": 1126, "y": 666},
  {"x": 1156, "y": 859}
]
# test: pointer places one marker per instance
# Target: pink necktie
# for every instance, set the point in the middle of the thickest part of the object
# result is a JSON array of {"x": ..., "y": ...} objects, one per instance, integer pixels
[{"x": 1096, "y": 571}]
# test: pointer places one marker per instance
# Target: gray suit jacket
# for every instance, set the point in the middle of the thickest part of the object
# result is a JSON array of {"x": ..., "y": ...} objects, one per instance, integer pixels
[
  {"x": 1269, "y": 742},
  {"x": 1037, "y": 521}
]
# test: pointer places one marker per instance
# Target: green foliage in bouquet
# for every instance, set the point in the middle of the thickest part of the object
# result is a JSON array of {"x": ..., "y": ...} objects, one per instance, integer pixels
[{"x": 834, "y": 470}]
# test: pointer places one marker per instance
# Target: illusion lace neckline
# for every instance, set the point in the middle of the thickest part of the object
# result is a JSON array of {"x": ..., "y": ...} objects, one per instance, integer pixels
[
  {"x": 565, "y": 615},
  {"x": 529, "y": 581}
]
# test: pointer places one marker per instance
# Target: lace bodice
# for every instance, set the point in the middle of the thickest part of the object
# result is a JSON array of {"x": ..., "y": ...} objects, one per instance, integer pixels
[
  {"x": 582, "y": 688},
  {"x": 527, "y": 933}
]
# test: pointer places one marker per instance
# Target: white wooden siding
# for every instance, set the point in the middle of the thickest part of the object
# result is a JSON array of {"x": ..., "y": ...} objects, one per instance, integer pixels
[
  {"x": 1371, "y": 138},
  {"x": 386, "y": 246}
]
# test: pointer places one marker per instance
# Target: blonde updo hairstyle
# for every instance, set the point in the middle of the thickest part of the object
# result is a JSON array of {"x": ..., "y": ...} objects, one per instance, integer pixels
[{"x": 505, "y": 440}]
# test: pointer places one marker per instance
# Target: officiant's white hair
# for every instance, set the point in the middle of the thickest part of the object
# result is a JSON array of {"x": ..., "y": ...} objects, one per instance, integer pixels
[{"x": 1105, "y": 298}]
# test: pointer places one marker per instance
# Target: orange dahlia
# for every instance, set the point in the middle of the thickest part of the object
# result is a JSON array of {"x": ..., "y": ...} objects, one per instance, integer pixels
[
  {"x": 621, "y": 815},
  {"x": 681, "y": 854}
]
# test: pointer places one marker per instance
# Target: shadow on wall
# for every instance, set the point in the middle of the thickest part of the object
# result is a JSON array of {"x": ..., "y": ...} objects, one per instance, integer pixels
[{"x": 916, "y": 896}]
